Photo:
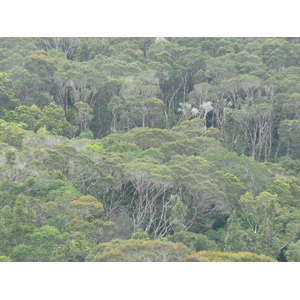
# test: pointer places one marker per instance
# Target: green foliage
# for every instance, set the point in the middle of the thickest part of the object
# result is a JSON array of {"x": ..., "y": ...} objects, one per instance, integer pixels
[
  {"x": 7, "y": 99},
  {"x": 152, "y": 153},
  {"x": 10, "y": 157},
  {"x": 5, "y": 259},
  {"x": 86, "y": 207},
  {"x": 146, "y": 138},
  {"x": 183, "y": 140},
  {"x": 15, "y": 222},
  {"x": 139, "y": 250},
  {"x": 128, "y": 150},
  {"x": 255, "y": 176},
  {"x": 264, "y": 225},
  {"x": 98, "y": 148},
  {"x": 289, "y": 132},
  {"x": 24, "y": 115},
  {"x": 53, "y": 119},
  {"x": 197, "y": 242},
  {"x": 197, "y": 183},
  {"x": 190, "y": 128},
  {"x": 188, "y": 147},
  {"x": 140, "y": 235},
  {"x": 293, "y": 252},
  {"x": 287, "y": 190},
  {"x": 84, "y": 115},
  {"x": 11, "y": 133},
  {"x": 74, "y": 247},
  {"x": 178, "y": 215},
  {"x": 38, "y": 246},
  {"x": 57, "y": 205},
  {"x": 289, "y": 164},
  {"x": 87, "y": 134},
  {"x": 209, "y": 256}
]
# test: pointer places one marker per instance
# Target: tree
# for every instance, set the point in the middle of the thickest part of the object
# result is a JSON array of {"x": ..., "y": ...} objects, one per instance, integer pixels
[
  {"x": 84, "y": 115},
  {"x": 11, "y": 133},
  {"x": 220, "y": 68},
  {"x": 67, "y": 46},
  {"x": 291, "y": 106},
  {"x": 87, "y": 208},
  {"x": 192, "y": 139},
  {"x": 38, "y": 246},
  {"x": 137, "y": 103},
  {"x": 197, "y": 242},
  {"x": 146, "y": 138},
  {"x": 212, "y": 256},
  {"x": 238, "y": 238},
  {"x": 278, "y": 54},
  {"x": 41, "y": 64},
  {"x": 54, "y": 120},
  {"x": 191, "y": 62},
  {"x": 7, "y": 96},
  {"x": 192, "y": 128},
  {"x": 24, "y": 115},
  {"x": 57, "y": 206},
  {"x": 153, "y": 113},
  {"x": 197, "y": 182},
  {"x": 202, "y": 97},
  {"x": 196, "y": 146},
  {"x": 16, "y": 221},
  {"x": 289, "y": 131},
  {"x": 287, "y": 190},
  {"x": 266, "y": 225},
  {"x": 150, "y": 183},
  {"x": 242, "y": 86},
  {"x": 41, "y": 67},
  {"x": 256, "y": 126},
  {"x": 254, "y": 175},
  {"x": 293, "y": 252},
  {"x": 5, "y": 259},
  {"x": 86, "y": 215},
  {"x": 139, "y": 251},
  {"x": 74, "y": 247},
  {"x": 27, "y": 87},
  {"x": 178, "y": 215}
]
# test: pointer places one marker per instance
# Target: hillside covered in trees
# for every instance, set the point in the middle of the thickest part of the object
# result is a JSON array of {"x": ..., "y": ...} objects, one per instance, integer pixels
[{"x": 149, "y": 149}]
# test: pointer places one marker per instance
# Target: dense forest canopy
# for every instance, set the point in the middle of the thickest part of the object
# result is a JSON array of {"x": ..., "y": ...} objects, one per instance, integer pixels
[{"x": 149, "y": 149}]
